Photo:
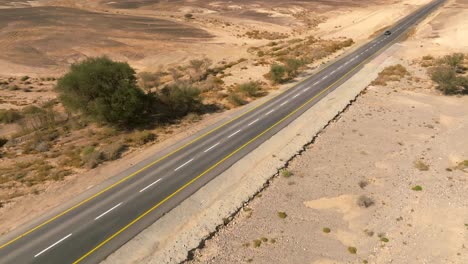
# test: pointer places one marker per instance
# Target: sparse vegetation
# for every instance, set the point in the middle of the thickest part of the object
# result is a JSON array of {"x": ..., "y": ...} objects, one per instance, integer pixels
[
  {"x": 236, "y": 100},
  {"x": 384, "y": 239},
  {"x": 257, "y": 243},
  {"x": 286, "y": 173},
  {"x": 365, "y": 201},
  {"x": 140, "y": 137},
  {"x": 352, "y": 250},
  {"x": 250, "y": 89},
  {"x": 391, "y": 73},
  {"x": 277, "y": 73},
  {"x": 417, "y": 188},
  {"x": 9, "y": 116},
  {"x": 420, "y": 165},
  {"x": 448, "y": 74},
  {"x": 326, "y": 230},
  {"x": 282, "y": 215},
  {"x": 363, "y": 183}
]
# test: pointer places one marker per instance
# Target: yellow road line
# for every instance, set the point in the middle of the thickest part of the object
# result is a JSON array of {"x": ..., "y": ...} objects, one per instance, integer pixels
[
  {"x": 153, "y": 163},
  {"x": 228, "y": 156}
]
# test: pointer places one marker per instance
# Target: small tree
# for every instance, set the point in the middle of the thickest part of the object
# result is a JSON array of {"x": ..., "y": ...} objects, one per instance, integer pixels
[
  {"x": 104, "y": 90},
  {"x": 277, "y": 73},
  {"x": 180, "y": 99},
  {"x": 454, "y": 60},
  {"x": 446, "y": 79},
  {"x": 292, "y": 67}
]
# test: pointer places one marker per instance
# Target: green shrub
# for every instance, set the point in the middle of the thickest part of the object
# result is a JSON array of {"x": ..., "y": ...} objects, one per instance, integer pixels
[
  {"x": 352, "y": 250},
  {"x": 454, "y": 60},
  {"x": 292, "y": 66},
  {"x": 277, "y": 73},
  {"x": 286, "y": 173},
  {"x": 236, "y": 100},
  {"x": 9, "y": 116},
  {"x": 447, "y": 80},
  {"x": 282, "y": 215},
  {"x": 250, "y": 89},
  {"x": 417, "y": 188},
  {"x": 326, "y": 230},
  {"x": 24, "y": 78},
  {"x": 103, "y": 90},
  {"x": 180, "y": 99}
]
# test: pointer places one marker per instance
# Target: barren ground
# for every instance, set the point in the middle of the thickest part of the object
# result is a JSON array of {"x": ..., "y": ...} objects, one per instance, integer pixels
[{"x": 391, "y": 140}]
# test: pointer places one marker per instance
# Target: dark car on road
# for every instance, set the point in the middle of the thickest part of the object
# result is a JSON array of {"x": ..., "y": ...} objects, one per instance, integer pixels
[{"x": 388, "y": 32}]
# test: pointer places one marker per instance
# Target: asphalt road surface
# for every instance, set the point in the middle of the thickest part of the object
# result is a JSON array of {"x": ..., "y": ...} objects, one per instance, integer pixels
[{"x": 95, "y": 227}]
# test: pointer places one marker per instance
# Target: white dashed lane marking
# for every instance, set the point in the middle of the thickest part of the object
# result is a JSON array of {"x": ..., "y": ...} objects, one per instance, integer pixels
[
  {"x": 256, "y": 120},
  {"x": 53, "y": 245},
  {"x": 184, "y": 164},
  {"x": 142, "y": 190},
  {"x": 106, "y": 212},
  {"x": 233, "y": 134}
]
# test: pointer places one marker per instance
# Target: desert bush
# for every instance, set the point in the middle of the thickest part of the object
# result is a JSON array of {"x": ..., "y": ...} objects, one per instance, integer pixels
[
  {"x": 104, "y": 90},
  {"x": 90, "y": 157},
  {"x": 277, "y": 73},
  {"x": 454, "y": 60},
  {"x": 365, "y": 201},
  {"x": 24, "y": 78},
  {"x": 113, "y": 150},
  {"x": 352, "y": 250},
  {"x": 236, "y": 100},
  {"x": 428, "y": 57},
  {"x": 416, "y": 188},
  {"x": 420, "y": 165},
  {"x": 447, "y": 80},
  {"x": 292, "y": 66},
  {"x": 199, "y": 68},
  {"x": 9, "y": 116},
  {"x": 188, "y": 16},
  {"x": 36, "y": 118},
  {"x": 390, "y": 73},
  {"x": 3, "y": 141},
  {"x": 282, "y": 215},
  {"x": 250, "y": 89},
  {"x": 180, "y": 99},
  {"x": 148, "y": 80},
  {"x": 141, "y": 137},
  {"x": 286, "y": 173},
  {"x": 212, "y": 83}
]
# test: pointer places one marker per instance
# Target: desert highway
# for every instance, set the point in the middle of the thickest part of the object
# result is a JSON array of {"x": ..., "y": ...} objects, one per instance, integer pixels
[{"x": 92, "y": 229}]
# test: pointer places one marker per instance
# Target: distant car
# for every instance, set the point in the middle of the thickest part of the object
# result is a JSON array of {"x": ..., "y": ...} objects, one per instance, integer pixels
[{"x": 388, "y": 32}]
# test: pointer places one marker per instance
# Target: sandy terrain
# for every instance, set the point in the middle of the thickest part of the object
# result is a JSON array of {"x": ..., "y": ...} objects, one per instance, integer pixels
[{"x": 353, "y": 195}]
